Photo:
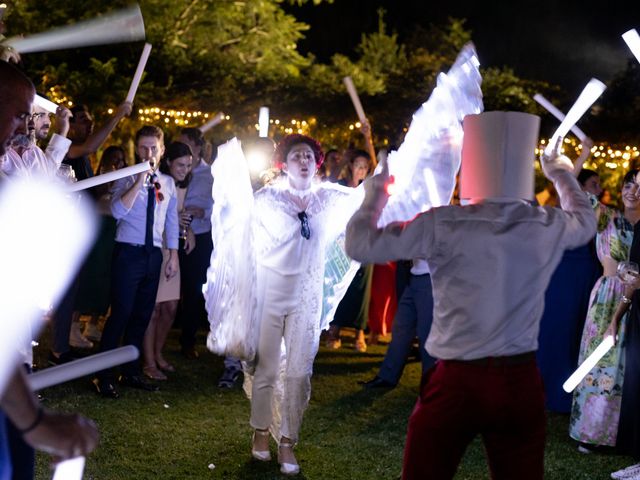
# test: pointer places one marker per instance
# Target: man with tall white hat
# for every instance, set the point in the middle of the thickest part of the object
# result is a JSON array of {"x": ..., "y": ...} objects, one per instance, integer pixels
[{"x": 491, "y": 260}]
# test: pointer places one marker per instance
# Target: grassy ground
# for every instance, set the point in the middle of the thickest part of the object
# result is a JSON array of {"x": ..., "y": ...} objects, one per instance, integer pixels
[{"x": 348, "y": 433}]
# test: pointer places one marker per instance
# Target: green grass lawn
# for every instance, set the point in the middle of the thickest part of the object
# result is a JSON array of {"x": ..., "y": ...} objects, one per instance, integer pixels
[{"x": 348, "y": 433}]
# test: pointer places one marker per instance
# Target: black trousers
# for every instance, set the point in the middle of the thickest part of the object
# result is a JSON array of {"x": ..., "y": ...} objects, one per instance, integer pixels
[
  {"x": 135, "y": 273},
  {"x": 193, "y": 274}
]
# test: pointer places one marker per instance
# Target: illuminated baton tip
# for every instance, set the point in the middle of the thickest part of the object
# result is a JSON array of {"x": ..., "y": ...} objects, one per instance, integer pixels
[
  {"x": 591, "y": 361},
  {"x": 632, "y": 39},
  {"x": 71, "y": 469},
  {"x": 212, "y": 123},
  {"x": 82, "y": 367},
  {"x": 263, "y": 121},
  {"x": 46, "y": 104},
  {"x": 589, "y": 95},
  {"x": 109, "y": 177},
  {"x": 558, "y": 114},
  {"x": 355, "y": 99},
  {"x": 139, "y": 71},
  {"x": 124, "y": 25}
]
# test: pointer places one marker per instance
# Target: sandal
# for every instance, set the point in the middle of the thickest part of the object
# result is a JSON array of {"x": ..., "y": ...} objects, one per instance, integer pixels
[
  {"x": 262, "y": 455},
  {"x": 153, "y": 373},
  {"x": 166, "y": 367},
  {"x": 285, "y": 467}
]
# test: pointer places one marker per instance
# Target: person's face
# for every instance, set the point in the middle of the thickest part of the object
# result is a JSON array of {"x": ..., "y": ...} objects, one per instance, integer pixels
[
  {"x": 81, "y": 126},
  {"x": 195, "y": 149},
  {"x": 14, "y": 115},
  {"x": 150, "y": 149},
  {"x": 179, "y": 167},
  {"x": 592, "y": 186},
  {"x": 300, "y": 166},
  {"x": 630, "y": 195},
  {"x": 41, "y": 122},
  {"x": 359, "y": 169},
  {"x": 115, "y": 162}
]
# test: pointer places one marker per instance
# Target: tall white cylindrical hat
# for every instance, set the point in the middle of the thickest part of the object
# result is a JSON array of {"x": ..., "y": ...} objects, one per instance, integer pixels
[{"x": 498, "y": 154}]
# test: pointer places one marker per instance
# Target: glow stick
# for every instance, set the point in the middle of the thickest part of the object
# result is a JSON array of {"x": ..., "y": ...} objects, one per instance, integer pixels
[
  {"x": 45, "y": 104},
  {"x": 82, "y": 367},
  {"x": 36, "y": 272},
  {"x": 263, "y": 122},
  {"x": 591, "y": 361},
  {"x": 139, "y": 71},
  {"x": 588, "y": 96},
  {"x": 122, "y": 26},
  {"x": 558, "y": 114},
  {"x": 632, "y": 40},
  {"x": 354, "y": 98},
  {"x": 109, "y": 177},
  {"x": 71, "y": 469},
  {"x": 212, "y": 123}
]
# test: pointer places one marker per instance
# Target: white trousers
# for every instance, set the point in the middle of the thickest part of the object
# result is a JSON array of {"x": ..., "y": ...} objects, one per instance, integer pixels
[{"x": 288, "y": 344}]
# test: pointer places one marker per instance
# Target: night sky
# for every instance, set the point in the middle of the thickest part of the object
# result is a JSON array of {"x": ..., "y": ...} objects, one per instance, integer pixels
[{"x": 562, "y": 42}]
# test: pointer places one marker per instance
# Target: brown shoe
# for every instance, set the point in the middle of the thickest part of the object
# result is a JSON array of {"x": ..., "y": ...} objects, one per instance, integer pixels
[{"x": 153, "y": 373}]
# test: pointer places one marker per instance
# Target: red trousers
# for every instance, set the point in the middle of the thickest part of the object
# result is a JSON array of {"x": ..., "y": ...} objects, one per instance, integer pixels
[{"x": 502, "y": 402}]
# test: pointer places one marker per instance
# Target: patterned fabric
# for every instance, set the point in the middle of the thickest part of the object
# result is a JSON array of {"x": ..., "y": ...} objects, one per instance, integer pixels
[{"x": 596, "y": 400}]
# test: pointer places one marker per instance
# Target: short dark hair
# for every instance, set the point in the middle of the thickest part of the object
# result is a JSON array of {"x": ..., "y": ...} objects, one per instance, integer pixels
[
  {"x": 149, "y": 131},
  {"x": 12, "y": 77},
  {"x": 80, "y": 107},
  {"x": 288, "y": 142},
  {"x": 193, "y": 134},
  {"x": 176, "y": 150},
  {"x": 585, "y": 174},
  {"x": 630, "y": 176}
]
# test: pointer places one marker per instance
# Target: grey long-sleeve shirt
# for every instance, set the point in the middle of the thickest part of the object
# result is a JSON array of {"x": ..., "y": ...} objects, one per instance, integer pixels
[{"x": 490, "y": 264}]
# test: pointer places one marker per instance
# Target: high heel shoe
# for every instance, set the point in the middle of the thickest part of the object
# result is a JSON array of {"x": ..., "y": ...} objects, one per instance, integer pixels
[
  {"x": 287, "y": 468},
  {"x": 262, "y": 455}
]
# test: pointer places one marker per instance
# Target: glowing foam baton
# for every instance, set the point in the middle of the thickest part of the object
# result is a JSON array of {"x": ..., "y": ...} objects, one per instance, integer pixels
[
  {"x": 588, "y": 96},
  {"x": 212, "y": 123},
  {"x": 558, "y": 114},
  {"x": 109, "y": 177},
  {"x": 45, "y": 104},
  {"x": 632, "y": 40},
  {"x": 71, "y": 469},
  {"x": 355, "y": 99},
  {"x": 124, "y": 25},
  {"x": 38, "y": 255},
  {"x": 82, "y": 367},
  {"x": 591, "y": 361},
  {"x": 139, "y": 71},
  {"x": 263, "y": 122}
]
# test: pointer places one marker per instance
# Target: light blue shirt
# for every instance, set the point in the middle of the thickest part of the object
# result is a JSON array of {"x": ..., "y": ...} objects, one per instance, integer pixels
[
  {"x": 199, "y": 195},
  {"x": 131, "y": 223}
]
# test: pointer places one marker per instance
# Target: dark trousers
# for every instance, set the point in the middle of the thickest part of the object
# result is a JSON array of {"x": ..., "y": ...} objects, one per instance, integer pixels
[
  {"x": 193, "y": 274},
  {"x": 62, "y": 317},
  {"x": 135, "y": 273},
  {"x": 413, "y": 317},
  {"x": 458, "y": 400}
]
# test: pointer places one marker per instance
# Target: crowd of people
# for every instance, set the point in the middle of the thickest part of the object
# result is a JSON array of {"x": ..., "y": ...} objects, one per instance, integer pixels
[{"x": 482, "y": 285}]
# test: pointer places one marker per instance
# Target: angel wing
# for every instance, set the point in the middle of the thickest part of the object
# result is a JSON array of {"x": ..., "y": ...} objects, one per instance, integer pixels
[
  {"x": 230, "y": 288},
  {"x": 426, "y": 164}
]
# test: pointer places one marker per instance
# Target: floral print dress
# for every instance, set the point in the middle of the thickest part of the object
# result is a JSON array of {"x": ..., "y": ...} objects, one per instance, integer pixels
[{"x": 596, "y": 400}]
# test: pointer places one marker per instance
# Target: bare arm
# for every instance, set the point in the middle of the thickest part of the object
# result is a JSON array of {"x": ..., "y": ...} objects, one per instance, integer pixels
[
  {"x": 584, "y": 155},
  {"x": 98, "y": 137}
]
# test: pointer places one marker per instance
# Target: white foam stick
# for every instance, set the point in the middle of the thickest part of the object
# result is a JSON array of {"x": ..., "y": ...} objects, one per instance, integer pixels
[
  {"x": 38, "y": 256},
  {"x": 588, "y": 96},
  {"x": 124, "y": 25},
  {"x": 355, "y": 99},
  {"x": 82, "y": 367},
  {"x": 212, "y": 123},
  {"x": 71, "y": 469},
  {"x": 45, "y": 104},
  {"x": 109, "y": 177},
  {"x": 139, "y": 71},
  {"x": 632, "y": 40},
  {"x": 558, "y": 114},
  {"x": 591, "y": 361},
  {"x": 263, "y": 122}
]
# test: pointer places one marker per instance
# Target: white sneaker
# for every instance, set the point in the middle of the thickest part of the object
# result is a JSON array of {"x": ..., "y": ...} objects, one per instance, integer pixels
[
  {"x": 629, "y": 473},
  {"x": 92, "y": 332},
  {"x": 76, "y": 339}
]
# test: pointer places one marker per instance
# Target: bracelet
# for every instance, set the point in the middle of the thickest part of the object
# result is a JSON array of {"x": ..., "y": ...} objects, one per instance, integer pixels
[
  {"x": 34, "y": 424},
  {"x": 625, "y": 299}
]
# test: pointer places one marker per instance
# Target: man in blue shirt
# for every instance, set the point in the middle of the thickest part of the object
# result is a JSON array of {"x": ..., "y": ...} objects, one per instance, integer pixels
[{"x": 145, "y": 207}]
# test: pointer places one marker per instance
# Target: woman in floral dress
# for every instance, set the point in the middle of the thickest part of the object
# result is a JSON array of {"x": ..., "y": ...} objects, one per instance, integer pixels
[{"x": 596, "y": 401}]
